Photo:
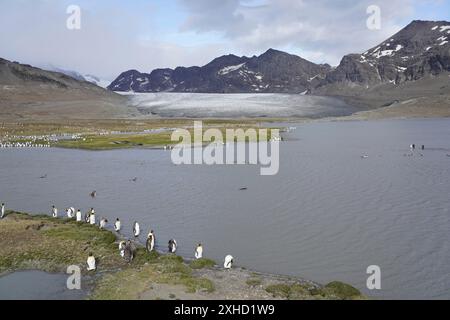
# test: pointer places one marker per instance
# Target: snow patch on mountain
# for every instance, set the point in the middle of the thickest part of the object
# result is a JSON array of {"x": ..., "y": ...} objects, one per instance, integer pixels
[{"x": 229, "y": 69}]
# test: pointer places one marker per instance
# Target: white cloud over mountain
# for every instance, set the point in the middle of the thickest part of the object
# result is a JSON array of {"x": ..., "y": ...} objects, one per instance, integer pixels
[{"x": 118, "y": 35}]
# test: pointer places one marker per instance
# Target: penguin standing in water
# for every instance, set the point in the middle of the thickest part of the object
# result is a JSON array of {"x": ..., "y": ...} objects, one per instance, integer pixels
[
  {"x": 91, "y": 263},
  {"x": 136, "y": 229},
  {"x": 150, "y": 241},
  {"x": 228, "y": 263},
  {"x": 117, "y": 225},
  {"x": 78, "y": 215},
  {"x": 2, "y": 211},
  {"x": 54, "y": 212},
  {"x": 199, "y": 251},
  {"x": 172, "y": 246}
]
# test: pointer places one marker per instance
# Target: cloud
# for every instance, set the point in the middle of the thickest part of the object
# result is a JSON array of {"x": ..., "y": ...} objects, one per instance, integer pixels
[
  {"x": 118, "y": 35},
  {"x": 205, "y": 17},
  {"x": 324, "y": 30},
  {"x": 114, "y": 37}
]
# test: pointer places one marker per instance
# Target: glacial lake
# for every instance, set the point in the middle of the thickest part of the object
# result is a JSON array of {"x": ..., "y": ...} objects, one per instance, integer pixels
[{"x": 327, "y": 215}]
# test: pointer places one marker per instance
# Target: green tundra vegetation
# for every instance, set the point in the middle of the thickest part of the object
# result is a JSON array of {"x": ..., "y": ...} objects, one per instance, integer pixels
[{"x": 117, "y": 134}]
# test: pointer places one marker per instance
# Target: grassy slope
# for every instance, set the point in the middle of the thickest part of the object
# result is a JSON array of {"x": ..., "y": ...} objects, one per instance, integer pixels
[{"x": 48, "y": 244}]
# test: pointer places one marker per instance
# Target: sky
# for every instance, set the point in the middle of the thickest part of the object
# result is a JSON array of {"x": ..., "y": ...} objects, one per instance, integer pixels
[{"x": 118, "y": 35}]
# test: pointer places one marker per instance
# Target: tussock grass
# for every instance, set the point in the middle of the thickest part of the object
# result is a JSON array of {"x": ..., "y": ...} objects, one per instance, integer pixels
[
  {"x": 49, "y": 244},
  {"x": 342, "y": 290},
  {"x": 295, "y": 291},
  {"x": 289, "y": 291},
  {"x": 202, "y": 263},
  {"x": 168, "y": 269}
]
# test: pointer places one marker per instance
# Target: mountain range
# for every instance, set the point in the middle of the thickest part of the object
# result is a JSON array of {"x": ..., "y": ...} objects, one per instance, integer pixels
[
  {"x": 410, "y": 69},
  {"x": 420, "y": 50},
  {"x": 273, "y": 71}
]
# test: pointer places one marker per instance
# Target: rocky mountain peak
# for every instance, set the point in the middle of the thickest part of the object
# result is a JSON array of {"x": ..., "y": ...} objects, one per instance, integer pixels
[
  {"x": 273, "y": 71},
  {"x": 420, "y": 49}
]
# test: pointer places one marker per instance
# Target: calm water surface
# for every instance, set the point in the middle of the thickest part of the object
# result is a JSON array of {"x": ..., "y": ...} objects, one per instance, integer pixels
[
  {"x": 327, "y": 215},
  {"x": 37, "y": 285}
]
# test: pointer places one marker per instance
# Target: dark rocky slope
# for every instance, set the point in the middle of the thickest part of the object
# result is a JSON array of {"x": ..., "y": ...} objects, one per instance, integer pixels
[
  {"x": 420, "y": 51},
  {"x": 273, "y": 71}
]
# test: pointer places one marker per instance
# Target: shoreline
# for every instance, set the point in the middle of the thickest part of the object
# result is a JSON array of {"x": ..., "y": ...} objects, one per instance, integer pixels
[
  {"x": 39, "y": 242},
  {"x": 155, "y": 134}
]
